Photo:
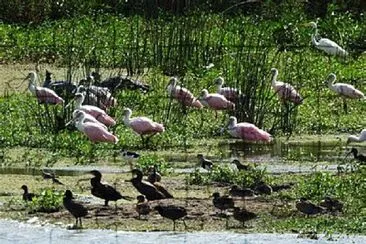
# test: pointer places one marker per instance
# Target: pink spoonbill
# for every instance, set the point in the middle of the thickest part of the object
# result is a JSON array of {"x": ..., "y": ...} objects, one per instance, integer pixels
[
  {"x": 43, "y": 94},
  {"x": 141, "y": 125},
  {"x": 94, "y": 111},
  {"x": 285, "y": 91},
  {"x": 87, "y": 117},
  {"x": 230, "y": 93},
  {"x": 215, "y": 101},
  {"x": 183, "y": 95},
  {"x": 360, "y": 138},
  {"x": 247, "y": 131},
  {"x": 94, "y": 131}
]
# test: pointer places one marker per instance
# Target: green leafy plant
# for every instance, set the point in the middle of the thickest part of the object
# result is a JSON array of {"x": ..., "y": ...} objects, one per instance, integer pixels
[{"x": 49, "y": 200}]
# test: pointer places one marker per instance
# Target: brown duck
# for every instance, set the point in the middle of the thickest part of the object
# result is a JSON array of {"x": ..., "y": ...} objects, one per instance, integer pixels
[
  {"x": 331, "y": 204},
  {"x": 151, "y": 191},
  {"x": 236, "y": 191},
  {"x": 153, "y": 176},
  {"x": 104, "y": 191},
  {"x": 243, "y": 215},
  {"x": 308, "y": 208},
  {"x": 222, "y": 202},
  {"x": 263, "y": 188},
  {"x": 142, "y": 206},
  {"x": 76, "y": 209},
  {"x": 172, "y": 212}
]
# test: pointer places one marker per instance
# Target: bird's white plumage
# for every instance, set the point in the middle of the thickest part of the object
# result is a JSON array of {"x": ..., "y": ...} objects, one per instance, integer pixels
[{"x": 343, "y": 89}]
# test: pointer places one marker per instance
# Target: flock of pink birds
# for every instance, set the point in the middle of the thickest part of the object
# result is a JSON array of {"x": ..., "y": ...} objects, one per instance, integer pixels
[{"x": 94, "y": 121}]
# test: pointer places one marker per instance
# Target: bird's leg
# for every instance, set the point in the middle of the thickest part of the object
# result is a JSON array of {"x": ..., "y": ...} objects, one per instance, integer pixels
[
  {"x": 115, "y": 207},
  {"x": 106, "y": 203},
  {"x": 173, "y": 225},
  {"x": 345, "y": 106},
  {"x": 143, "y": 140},
  {"x": 81, "y": 223},
  {"x": 185, "y": 225}
]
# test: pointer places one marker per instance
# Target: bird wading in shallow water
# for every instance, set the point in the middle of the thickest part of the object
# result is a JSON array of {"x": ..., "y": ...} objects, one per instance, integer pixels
[
  {"x": 76, "y": 209},
  {"x": 216, "y": 101},
  {"x": 346, "y": 91},
  {"x": 182, "y": 95},
  {"x": 326, "y": 45},
  {"x": 247, "y": 131},
  {"x": 142, "y": 125}
]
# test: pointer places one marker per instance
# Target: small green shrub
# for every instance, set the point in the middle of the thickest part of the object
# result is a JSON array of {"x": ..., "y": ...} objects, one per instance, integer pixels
[
  {"x": 146, "y": 161},
  {"x": 48, "y": 201}
]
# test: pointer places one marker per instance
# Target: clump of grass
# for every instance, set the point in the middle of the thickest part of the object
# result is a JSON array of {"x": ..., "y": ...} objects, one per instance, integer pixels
[
  {"x": 147, "y": 161},
  {"x": 224, "y": 174},
  {"x": 48, "y": 201}
]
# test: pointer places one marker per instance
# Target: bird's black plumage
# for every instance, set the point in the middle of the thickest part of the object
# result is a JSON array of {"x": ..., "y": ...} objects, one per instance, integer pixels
[
  {"x": 172, "y": 212},
  {"x": 222, "y": 202},
  {"x": 76, "y": 209},
  {"x": 51, "y": 175},
  {"x": 153, "y": 175},
  {"x": 104, "y": 191},
  {"x": 331, "y": 204},
  {"x": 243, "y": 215},
  {"x": 145, "y": 187},
  {"x": 142, "y": 206},
  {"x": 241, "y": 166},
  {"x": 308, "y": 208},
  {"x": 236, "y": 191},
  {"x": 361, "y": 158},
  {"x": 27, "y": 196},
  {"x": 129, "y": 155},
  {"x": 205, "y": 163}
]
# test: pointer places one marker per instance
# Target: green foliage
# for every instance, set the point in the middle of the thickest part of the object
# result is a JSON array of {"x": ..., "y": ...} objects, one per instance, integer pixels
[
  {"x": 224, "y": 174},
  {"x": 49, "y": 200},
  {"x": 146, "y": 161}
]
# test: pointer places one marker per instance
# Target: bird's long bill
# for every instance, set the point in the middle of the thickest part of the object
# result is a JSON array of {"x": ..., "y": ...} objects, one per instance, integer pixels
[
  {"x": 70, "y": 122},
  {"x": 346, "y": 156}
]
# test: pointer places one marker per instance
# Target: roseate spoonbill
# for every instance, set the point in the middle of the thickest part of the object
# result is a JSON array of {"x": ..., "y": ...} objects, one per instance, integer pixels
[
  {"x": 142, "y": 206},
  {"x": 76, "y": 209},
  {"x": 247, "y": 131},
  {"x": 346, "y": 91},
  {"x": 243, "y": 215},
  {"x": 236, "y": 191},
  {"x": 182, "y": 95},
  {"x": 87, "y": 117},
  {"x": 145, "y": 187},
  {"x": 326, "y": 45},
  {"x": 141, "y": 125},
  {"x": 361, "y": 158},
  {"x": 94, "y": 111},
  {"x": 360, "y": 138},
  {"x": 27, "y": 196},
  {"x": 43, "y": 94},
  {"x": 231, "y": 94},
  {"x": 172, "y": 212},
  {"x": 95, "y": 132},
  {"x": 104, "y": 191},
  {"x": 222, "y": 202},
  {"x": 331, "y": 204},
  {"x": 285, "y": 91},
  {"x": 308, "y": 208},
  {"x": 205, "y": 163}
]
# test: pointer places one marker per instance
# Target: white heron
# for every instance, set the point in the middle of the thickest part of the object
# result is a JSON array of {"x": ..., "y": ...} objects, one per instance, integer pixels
[
  {"x": 344, "y": 90},
  {"x": 326, "y": 45}
]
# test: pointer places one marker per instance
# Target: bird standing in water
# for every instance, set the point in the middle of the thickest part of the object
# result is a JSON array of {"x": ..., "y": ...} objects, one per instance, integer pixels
[
  {"x": 76, "y": 209},
  {"x": 247, "y": 131}
]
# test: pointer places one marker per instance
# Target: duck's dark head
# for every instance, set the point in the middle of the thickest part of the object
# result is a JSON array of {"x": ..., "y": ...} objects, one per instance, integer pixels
[
  {"x": 96, "y": 173},
  {"x": 216, "y": 195},
  {"x": 354, "y": 151},
  {"x": 140, "y": 198},
  {"x": 25, "y": 188},
  {"x": 138, "y": 173},
  {"x": 68, "y": 194},
  {"x": 234, "y": 188}
]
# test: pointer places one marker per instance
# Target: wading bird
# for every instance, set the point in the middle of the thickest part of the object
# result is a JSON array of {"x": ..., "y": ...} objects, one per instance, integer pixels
[
  {"x": 129, "y": 157},
  {"x": 43, "y": 94},
  {"x": 51, "y": 175},
  {"x": 231, "y": 94},
  {"x": 87, "y": 117},
  {"x": 27, "y": 196},
  {"x": 205, "y": 163},
  {"x": 247, "y": 131},
  {"x": 141, "y": 125},
  {"x": 326, "y": 45},
  {"x": 94, "y": 131},
  {"x": 76, "y": 209},
  {"x": 215, "y": 101},
  {"x": 145, "y": 187},
  {"x": 346, "y": 91},
  {"x": 308, "y": 208},
  {"x": 94, "y": 111},
  {"x": 285, "y": 91},
  {"x": 243, "y": 215},
  {"x": 104, "y": 191},
  {"x": 361, "y": 158},
  {"x": 182, "y": 95},
  {"x": 172, "y": 212},
  {"x": 360, "y": 138}
]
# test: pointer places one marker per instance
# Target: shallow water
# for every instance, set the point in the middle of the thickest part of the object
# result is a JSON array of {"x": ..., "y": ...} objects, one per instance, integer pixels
[{"x": 15, "y": 232}]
